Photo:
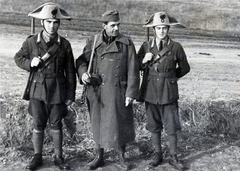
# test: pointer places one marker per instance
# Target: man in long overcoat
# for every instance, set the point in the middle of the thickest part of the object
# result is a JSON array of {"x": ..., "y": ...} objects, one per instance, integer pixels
[
  {"x": 164, "y": 62},
  {"x": 52, "y": 82},
  {"x": 110, "y": 103}
]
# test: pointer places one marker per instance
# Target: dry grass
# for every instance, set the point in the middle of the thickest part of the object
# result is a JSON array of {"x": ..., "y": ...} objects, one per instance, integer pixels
[{"x": 216, "y": 117}]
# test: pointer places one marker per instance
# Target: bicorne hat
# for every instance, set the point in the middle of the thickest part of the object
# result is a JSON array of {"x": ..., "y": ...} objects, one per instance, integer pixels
[
  {"x": 50, "y": 11},
  {"x": 161, "y": 19}
]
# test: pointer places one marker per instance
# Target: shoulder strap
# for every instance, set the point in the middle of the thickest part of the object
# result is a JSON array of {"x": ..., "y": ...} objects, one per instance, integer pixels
[
  {"x": 50, "y": 52},
  {"x": 161, "y": 55},
  {"x": 50, "y": 55}
]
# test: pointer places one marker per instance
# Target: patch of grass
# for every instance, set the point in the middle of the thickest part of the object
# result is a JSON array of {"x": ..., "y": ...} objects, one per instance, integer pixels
[{"x": 218, "y": 117}]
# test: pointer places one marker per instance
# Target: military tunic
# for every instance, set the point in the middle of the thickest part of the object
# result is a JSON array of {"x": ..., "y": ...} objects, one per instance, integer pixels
[
  {"x": 117, "y": 64},
  {"x": 162, "y": 87},
  {"x": 161, "y": 93},
  {"x": 56, "y": 82}
]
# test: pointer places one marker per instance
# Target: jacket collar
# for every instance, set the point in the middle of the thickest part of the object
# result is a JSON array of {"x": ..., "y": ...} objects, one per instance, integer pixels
[
  {"x": 165, "y": 42},
  {"x": 40, "y": 34}
]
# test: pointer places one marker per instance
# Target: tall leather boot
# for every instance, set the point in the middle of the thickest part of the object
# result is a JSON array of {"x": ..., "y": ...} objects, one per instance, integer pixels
[
  {"x": 173, "y": 153},
  {"x": 37, "y": 140},
  {"x": 98, "y": 161},
  {"x": 157, "y": 158},
  {"x": 58, "y": 158}
]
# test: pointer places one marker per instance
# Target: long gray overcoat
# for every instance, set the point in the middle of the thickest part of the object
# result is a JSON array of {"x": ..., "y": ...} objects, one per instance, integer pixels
[{"x": 117, "y": 64}]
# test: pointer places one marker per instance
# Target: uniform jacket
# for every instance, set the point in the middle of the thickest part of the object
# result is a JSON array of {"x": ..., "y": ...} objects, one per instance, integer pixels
[
  {"x": 117, "y": 64},
  {"x": 162, "y": 86},
  {"x": 55, "y": 83}
]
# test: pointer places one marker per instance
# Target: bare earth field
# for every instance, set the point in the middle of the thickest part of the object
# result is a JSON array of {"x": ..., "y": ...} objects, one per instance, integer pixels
[{"x": 214, "y": 76}]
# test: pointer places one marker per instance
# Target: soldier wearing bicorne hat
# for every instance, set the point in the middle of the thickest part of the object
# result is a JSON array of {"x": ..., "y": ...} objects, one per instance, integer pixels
[
  {"x": 163, "y": 62},
  {"x": 52, "y": 81}
]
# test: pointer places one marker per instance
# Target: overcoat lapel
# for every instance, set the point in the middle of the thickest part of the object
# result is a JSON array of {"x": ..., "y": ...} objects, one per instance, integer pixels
[{"x": 113, "y": 46}]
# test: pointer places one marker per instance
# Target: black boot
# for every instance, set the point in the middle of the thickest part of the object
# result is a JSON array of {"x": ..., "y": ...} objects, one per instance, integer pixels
[
  {"x": 98, "y": 161},
  {"x": 35, "y": 163},
  {"x": 156, "y": 160},
  {"x": 59, "y": 162},
  {"x": 175, "y": 162},
  {"x": 158, "y": 157}
]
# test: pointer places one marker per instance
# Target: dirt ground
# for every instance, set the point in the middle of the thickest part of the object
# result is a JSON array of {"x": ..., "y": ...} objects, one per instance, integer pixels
[{"x": 214, "y": 75}]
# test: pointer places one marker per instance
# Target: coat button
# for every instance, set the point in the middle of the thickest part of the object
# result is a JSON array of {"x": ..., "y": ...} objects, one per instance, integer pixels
[
  {"x": 116, "y": 75},
  {"x": 117, "y": 66},
  {"x": 102, "y": 84},
  {"x": 115, "y": 85}
]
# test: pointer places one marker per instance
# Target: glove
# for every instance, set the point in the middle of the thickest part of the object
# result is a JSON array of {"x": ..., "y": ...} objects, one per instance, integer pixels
[
  {"x": 86, "y": 78},
  {"x": 147, "y": 57},
  {"x": 35, "y": 61}
]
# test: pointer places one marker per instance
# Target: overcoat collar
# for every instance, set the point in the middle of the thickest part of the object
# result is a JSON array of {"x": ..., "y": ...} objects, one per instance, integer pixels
[{"x": 113, "y": 46}]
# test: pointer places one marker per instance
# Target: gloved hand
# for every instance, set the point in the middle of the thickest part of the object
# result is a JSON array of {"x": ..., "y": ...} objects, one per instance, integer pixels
[
  {"x": 86, "y": 78},
  {"x": 148, "y": 57},
  {"x": 35, "y": 61}
]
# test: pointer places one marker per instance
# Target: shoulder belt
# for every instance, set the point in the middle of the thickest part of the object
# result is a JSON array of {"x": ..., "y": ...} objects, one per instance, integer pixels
[{"x": 161, "y": 55}]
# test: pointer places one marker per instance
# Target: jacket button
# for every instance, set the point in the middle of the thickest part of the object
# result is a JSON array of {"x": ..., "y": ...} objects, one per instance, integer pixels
[
  {"x": 116, "y": 75},
  {"x": 117, "y": 66},
  {"x": 102, "y": 84},
  {"x": 115, "y": 84}
]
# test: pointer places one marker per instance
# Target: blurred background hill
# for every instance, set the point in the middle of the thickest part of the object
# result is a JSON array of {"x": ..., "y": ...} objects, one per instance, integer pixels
[{"x": 214, "y": 15}]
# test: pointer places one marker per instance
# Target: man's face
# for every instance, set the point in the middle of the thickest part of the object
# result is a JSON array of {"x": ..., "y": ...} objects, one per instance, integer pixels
[
  {"x": 112, "y": 28},
  {"x": 51, "y": 25},
  {"x": 161, "y": 31}
]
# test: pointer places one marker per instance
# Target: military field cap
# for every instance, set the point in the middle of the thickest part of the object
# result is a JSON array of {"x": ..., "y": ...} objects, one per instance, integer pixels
[
  {"x": 110, "y": 16},
  {"x": 160, "y": 19},
  {"x": 50, "y": 11}
]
